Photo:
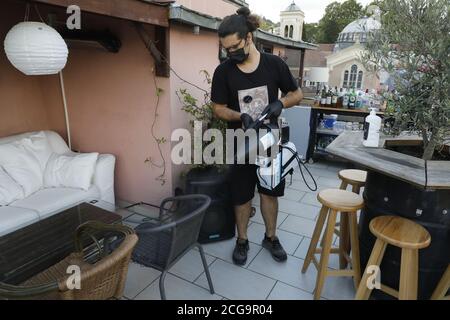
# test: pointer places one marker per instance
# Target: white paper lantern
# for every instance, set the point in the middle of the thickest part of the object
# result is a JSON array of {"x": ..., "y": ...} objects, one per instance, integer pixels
[{"x": 36, "y": 48}]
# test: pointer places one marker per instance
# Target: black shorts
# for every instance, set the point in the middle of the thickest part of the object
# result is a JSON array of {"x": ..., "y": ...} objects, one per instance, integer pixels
[{"x": 243, "y": 182}]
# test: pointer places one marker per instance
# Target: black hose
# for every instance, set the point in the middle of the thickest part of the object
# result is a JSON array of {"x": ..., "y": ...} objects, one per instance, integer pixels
[{"x": 300, "y": 164}]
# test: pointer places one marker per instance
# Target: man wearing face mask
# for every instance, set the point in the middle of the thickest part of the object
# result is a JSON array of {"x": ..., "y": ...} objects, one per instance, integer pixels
[{"x": 245, "y": 87}]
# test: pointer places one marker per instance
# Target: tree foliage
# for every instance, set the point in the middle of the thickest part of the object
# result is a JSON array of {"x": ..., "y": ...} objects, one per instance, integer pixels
[
  {"x": 337, "y": 17},
  {"x": 413, "y": 45}
]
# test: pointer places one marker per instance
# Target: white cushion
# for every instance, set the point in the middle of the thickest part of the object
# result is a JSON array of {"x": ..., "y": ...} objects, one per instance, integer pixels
[
  {"x": 9, "y": 189},
  {"x": 22, "y": 166},
  {"x": 54, "y": 200},
  {"x": 12, "y": 219},
  {"x": 38, "y": 145},
  {"x": 57, "y": 144},
  {"x": 70, "y": 170}
]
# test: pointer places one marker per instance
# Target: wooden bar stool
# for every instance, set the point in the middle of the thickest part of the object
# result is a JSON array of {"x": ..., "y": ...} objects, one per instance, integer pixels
[
  {"x": 356, "y": 179},
  {"x": 443, "y": 286},
  {"x": 334, "y": 201},
  {"x": 406, "y": 235}
]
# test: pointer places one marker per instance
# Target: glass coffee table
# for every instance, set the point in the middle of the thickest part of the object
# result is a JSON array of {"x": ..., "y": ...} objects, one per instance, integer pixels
[{"x": 32, "y": 249}]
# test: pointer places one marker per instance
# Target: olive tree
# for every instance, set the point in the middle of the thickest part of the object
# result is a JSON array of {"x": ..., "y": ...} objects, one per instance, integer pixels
[{"x": 413, "y": 46}]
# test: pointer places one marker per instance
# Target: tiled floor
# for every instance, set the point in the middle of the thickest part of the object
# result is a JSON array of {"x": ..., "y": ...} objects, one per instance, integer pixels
[{"x": 261, "y": 277}]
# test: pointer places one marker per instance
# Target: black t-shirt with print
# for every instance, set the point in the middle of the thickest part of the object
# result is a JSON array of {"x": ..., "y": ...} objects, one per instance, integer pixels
[{"x": 251, "y": 92}]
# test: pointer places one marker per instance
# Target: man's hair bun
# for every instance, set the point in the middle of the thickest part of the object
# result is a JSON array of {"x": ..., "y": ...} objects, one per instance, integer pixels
[
  {"x": 253, "y": 21},
  {"x": 243, "y": 11}
]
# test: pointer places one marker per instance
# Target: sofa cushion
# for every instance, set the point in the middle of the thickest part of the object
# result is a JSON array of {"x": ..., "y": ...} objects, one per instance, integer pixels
[
  {"x": 9, "y": 189},
  {"x": 70, "y": 170},
  {"x": 37, "y": 144},
  {"x": 12, "y": 219},
  {"x": 54, "y": 200},
  {"x": 57, "y": 143},
  {"x": 22, "y": 166}
]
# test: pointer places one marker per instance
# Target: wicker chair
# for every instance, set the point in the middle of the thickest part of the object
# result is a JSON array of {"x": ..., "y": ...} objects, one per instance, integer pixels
[
  {"x": 99, "y": 280},
  {"x": 163, "y": 242}
]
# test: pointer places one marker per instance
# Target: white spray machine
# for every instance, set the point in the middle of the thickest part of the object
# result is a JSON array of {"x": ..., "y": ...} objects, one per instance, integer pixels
[{"x": 276, "y": 156}]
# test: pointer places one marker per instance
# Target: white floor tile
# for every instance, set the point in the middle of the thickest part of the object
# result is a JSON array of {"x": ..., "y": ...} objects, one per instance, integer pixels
[
  {"x": 293, "y": 195},
  {"x": 298, "y": 225},
  {"x": 177, "y": 289},
  {"x": 326, "y": 183},
  {"x": 311, "y": 199},
  {"x": 259, "y": 219},
  {"x": 288, "y": 240},
  {"x": 237, "y": 283},
  {"x": 298, "y": 209},
  {"x": 190, "y": 266},
  {"x": 224, "y": 250},
  {"x": 282, "y": 291},
  {"x": 287, "y": 272},
  {"x": 138, "y": 279},
  {"x": 302, "y": 250}
]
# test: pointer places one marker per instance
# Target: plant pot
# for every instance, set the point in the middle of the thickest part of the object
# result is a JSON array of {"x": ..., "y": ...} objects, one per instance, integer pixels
[
  {"x": 430, "y": 208},
  {"x": 219, "y": 221}
]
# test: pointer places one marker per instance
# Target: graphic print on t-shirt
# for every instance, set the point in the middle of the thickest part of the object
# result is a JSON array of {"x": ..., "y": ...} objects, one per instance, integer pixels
[{"x": 253, "y": 101}]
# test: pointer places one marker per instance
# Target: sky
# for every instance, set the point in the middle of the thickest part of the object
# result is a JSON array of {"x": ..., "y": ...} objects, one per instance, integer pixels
[{"x": 313, "y": 9}]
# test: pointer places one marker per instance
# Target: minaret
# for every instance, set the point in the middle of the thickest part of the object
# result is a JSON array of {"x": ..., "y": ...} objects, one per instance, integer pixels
[{"x": 291, "y": 22}]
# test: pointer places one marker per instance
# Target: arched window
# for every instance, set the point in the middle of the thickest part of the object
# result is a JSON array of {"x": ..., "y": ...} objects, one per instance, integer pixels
[
  {"x": 291, "y": 32},
  {"x": 345, "y": 84},
  {"x": 286, "y": 31},
  {"x": 353, "y": 73},
  {"x": 360, "y": 77}
]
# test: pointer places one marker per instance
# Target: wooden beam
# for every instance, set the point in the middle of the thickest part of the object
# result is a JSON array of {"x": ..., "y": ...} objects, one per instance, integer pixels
[{"x": 124, "y": 9}]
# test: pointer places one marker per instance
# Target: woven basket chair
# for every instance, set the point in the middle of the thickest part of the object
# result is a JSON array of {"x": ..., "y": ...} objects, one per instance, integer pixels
[{"x": 101, "y": 280}]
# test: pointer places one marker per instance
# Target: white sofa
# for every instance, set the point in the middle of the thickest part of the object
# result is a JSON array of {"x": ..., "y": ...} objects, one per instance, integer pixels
[{"x": 48, "y": 201}]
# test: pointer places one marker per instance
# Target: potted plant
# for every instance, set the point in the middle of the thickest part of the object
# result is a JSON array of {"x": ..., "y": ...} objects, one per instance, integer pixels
[
  {"x": 413, "y": 46},
  {"x": 209, "y": 179}
]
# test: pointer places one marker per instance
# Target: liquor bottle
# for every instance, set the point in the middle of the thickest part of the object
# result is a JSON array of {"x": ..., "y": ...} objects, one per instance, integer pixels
[
  {"x": 323, "y": 98},
  {"x": 359, "y": 100},
  {"x": 345, "y": 99},
  {"x": 317, "y": 98},
  {"x": 329, "y": 97},
  {"x": 340, "y": 100},
  {"x": 352, "y": 100},
  {"x": 334, "y": 98}
]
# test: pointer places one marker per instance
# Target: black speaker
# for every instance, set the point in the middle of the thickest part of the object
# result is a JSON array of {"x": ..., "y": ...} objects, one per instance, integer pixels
[{"x": 219, "y": 221}]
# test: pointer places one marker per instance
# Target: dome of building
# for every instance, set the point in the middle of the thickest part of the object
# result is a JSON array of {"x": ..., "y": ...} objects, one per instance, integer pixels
[
  {"x": 293, "y": 7},
  {"x": 356, "y": 31}
]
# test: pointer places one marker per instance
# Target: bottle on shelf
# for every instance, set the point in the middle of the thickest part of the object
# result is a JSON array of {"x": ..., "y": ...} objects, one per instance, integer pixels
[
  {"x": 352, "y": 100},
  {"x": 359, "y": 100},
  {"x": 317, "y": 98},
  {"x": 334, "y": 98},
  {"x": 345, "y": 99},
  {"x": 323, "y": 98},
  {"x": 340, "y": 99},
  {"x": 329, "y": 96}
]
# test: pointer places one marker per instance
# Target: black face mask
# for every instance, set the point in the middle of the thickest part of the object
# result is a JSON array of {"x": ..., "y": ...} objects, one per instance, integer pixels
[{"x": 239, "y": 56}]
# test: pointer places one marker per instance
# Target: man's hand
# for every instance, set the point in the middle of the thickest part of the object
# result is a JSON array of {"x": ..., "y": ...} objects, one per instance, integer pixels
[
  {"x": 273, "y": 110},
  {"x": 247, "y": 120}
]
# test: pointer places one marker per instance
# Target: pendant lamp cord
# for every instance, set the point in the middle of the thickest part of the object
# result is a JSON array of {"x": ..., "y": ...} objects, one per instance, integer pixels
[
  {"x": 28, "y": 11},
  {"x": 66, "y": 113}
]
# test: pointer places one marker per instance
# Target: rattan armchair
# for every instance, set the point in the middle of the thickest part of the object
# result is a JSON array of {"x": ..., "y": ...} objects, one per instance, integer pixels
[{"x": 99, "y": 280}]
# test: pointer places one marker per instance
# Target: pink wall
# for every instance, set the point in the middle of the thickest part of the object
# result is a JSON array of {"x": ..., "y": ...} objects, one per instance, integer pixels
[
  {"x": 215, "y": 8},
  {"x": 22, "y": 103},
  {"x": 112, "y": 100},
  {"x": 201, "y": 53}
]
